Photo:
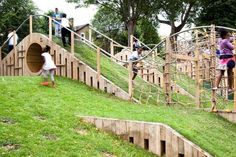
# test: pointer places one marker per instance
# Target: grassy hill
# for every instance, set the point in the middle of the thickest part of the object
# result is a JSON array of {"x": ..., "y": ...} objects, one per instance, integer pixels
[{"x": 43, "y": 121}]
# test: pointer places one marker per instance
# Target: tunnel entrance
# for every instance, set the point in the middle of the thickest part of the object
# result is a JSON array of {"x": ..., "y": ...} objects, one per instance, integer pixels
[{"x": 34, "y": 58}]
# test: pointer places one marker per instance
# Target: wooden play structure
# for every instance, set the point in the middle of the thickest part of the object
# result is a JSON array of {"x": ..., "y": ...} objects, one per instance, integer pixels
[
  {"x": 157, "y": 138},
  {"x": 176, "y": 67}
]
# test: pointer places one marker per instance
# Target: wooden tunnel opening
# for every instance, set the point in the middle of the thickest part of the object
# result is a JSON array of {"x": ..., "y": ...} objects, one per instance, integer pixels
[
  {"x": 146, "y": 144},
  {"x": 34, "y": 59},
  {"x": 163, "y": 148},
  {"x": 131, "y": 139},
  {"x": 181, "y": 155}
]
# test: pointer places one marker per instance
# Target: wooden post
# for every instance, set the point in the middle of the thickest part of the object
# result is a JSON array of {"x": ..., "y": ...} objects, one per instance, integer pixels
[
  {"x": 14, "y": 49},
  {"x": 213, "y": 66},
  {"x": 31, "y": 24},
  {"x": 50, "y": 29},
  {"x": 234, "y": 89},
  {"x": 90, "y": 34},
  {"x": 98, "y": 63},
  {"x": 131, "y": 42},
  {"x": 130, "y": 80},
  {"x": 72, "y": 46},
  {"x": 167, "y": 80},
  {"x": 0, "y": 55},
  {"x": 197, "y": 71},
  {"x": 112, "y": 48}
]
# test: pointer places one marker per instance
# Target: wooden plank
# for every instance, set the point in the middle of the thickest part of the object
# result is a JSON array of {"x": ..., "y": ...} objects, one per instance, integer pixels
[
  {"x": 175, "y": 146},
  {"x": 152, "y": 132},
  {"x": 188, "y": 150},
  {"x": 121, "y": 129},
  {"x": 169, "y": 149},
  {"x": 183, "y": 57}
]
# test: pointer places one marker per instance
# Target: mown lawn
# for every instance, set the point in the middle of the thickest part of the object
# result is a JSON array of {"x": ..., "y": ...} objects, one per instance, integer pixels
[{"x": 44, "y": 121}]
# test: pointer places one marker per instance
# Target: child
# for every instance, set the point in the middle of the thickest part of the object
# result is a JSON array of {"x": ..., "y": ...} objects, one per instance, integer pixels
[
  {"x": 48, "y": 66},
  {"x": 133, "y": 57},
  {"x": 57, "y": 17},
  {"x": 65, "y": 24},
  {"x": 226, "y": 59},
  {"x": 11, "y": 41}
]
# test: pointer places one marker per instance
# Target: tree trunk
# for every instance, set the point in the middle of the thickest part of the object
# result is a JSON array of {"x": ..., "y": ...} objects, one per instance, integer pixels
[{"x": 130, "y": 27}]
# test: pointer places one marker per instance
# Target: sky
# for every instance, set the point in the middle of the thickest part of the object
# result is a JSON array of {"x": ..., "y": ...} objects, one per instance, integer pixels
[{"x": 80, "y": 15}]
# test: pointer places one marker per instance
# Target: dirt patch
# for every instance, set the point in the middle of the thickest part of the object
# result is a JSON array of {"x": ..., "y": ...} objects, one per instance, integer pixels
[
  {"x": 81, "y": 131},
  {"x": 10, "y": 146},
  {"x": 106, "y": 154},
  {"x": 41, "y": 118},
  {"x": 50, "y": 137},
  {"x": 7, "y": 120}
]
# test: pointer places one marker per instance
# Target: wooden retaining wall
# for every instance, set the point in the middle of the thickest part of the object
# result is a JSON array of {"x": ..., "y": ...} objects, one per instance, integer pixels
[
  {"x": 230, "y": 116},
  {"x": 157, "y": 138},
  {"x": 25, "y": 61}
]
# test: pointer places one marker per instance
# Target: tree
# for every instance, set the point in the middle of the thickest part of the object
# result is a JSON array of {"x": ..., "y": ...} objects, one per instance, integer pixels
[
  {"x": 182, "y": 12},
  {"x": 107, "y": 22},
  {"x": 218, "y": 12},
  {"x": 13, "y": 13},
  {"x": 130, "y": 11}
]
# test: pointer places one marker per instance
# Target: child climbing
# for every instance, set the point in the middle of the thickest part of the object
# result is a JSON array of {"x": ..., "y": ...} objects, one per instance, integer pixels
[
  {"x": 133, "y": 57},
  {"x": 48, "y": 66},
  {"x": 226, "y": 61}
]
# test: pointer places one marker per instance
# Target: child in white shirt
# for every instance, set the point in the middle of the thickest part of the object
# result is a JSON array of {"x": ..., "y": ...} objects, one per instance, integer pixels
[{"x": 48, "y": 66}]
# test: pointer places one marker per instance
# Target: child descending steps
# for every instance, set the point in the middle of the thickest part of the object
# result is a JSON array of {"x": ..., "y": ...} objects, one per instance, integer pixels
[{"x": 48, "y": 66}]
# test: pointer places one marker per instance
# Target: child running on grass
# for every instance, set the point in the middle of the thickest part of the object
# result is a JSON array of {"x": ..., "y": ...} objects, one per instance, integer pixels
[{"x": 48, "y": 66}]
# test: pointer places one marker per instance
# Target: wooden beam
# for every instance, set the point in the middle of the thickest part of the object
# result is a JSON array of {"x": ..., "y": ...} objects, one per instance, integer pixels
[
  {"x": 197, "y": 71},
  {"x": 213, "y": 64},
  {"x": 72, "y": 46},
  {"x": 183, "y": 57},
  {"x": 50, "y": 29},
  {"x": 31, "y": 24},
  {"x": 98, "y": 64},
  {"x": 130, "y": 80},
  {"x": 131, "y": 42},
  {"x": 112, "y": 48},
  {"x": 167, "y": 79}
]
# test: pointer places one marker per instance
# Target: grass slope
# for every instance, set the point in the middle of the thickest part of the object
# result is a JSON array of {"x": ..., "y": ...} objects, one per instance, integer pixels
[{"x": 22, "y": 100}]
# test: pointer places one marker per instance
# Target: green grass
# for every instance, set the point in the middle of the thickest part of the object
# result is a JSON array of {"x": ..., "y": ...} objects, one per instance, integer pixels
[{"x": 23, "y": 99}]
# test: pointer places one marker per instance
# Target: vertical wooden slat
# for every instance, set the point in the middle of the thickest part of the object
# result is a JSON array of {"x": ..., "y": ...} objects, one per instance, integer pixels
[
  {"x": 131, "y": 42},
  {"x": 167, "y": 80},
  {"x": 72, "y": 43},
  {"x": 98, "y": 63},
  {"x": 112, "y": 48},
  {"x": 31, "y": 24},
  {"x": 197, "y": 71},
  {"x": 213, "y": 66},
  {"x": 90, "y": 34},
  {"x": 50, "y": 29},
  {"x": 130, "y": 80}
]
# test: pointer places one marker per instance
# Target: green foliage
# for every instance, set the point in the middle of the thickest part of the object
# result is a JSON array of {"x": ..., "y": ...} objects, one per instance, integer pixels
[
  {"x": 13, "y": 13},
  {"x": 147, "y": 32},
  {"x": 129, "y": 11},
  {"x": 110, "y": 23},
  {"x": 218, "y": 12}
]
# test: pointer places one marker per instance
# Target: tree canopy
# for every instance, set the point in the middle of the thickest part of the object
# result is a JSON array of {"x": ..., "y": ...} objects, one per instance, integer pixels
[
  {"x": 218, "y": 12},
  {"x": 13, "y": 13}
]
